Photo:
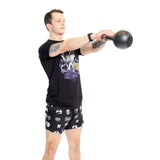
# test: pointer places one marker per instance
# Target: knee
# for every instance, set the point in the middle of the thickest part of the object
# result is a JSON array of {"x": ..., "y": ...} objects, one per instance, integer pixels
[
  {"x": 75, "y": 146},
  {"x": 51, "y": 151}
]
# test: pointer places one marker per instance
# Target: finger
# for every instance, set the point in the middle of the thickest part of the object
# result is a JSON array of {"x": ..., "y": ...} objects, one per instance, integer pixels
[{"x": 110, "y": 32}]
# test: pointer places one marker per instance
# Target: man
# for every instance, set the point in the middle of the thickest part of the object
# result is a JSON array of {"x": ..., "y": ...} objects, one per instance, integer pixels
[{"x": 60, "y": 60}]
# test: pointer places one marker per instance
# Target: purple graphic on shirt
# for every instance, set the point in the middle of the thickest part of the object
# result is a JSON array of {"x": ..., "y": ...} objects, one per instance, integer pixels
[{"x": 69, "y": 64}]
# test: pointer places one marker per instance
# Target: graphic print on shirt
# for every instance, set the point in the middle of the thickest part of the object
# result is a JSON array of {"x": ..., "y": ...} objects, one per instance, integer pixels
[{"x": 69, "y": 64}]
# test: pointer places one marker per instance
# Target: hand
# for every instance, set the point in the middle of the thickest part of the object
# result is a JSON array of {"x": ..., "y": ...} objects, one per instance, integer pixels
[{"x": 99, "y": 34}]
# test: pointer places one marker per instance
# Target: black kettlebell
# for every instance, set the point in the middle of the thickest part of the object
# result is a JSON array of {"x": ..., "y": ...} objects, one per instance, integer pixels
[{"x": 122, "y": 39}]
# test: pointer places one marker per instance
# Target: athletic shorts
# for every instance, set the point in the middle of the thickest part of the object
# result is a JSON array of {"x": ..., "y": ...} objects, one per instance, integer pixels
[{"x": 58, "y": 119}]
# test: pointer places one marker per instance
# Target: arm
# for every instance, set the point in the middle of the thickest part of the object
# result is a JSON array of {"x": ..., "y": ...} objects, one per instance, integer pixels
[{"x": 67, "y": 45}]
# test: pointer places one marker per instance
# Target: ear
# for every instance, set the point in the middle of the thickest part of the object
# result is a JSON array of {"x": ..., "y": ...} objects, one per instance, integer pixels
[{"x": 48, "y": 26}]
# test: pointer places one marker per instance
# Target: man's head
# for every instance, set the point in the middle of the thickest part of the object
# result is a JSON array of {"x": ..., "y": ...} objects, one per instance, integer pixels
[{"x": 55, "y": 22}]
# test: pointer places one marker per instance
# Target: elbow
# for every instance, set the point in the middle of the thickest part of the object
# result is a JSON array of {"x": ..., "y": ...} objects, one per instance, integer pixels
[{"x": 52, "y": 55}]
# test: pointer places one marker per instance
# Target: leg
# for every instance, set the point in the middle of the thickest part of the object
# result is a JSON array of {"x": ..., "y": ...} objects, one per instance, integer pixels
[
  {"x": 73, "y": 137},
  {"x": 52, "y": 142}
]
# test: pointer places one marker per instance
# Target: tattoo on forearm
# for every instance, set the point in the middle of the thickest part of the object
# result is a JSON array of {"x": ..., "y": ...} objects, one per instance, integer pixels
[
  {"x": 97, "y": 44},
  {"x": 54, "y": 47}
]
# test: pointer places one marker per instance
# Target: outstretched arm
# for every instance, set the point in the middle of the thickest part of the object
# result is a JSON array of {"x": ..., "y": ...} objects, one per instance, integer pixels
[
  {"x": 67, "y": 45},
  {"x": 74, "y": 43}
]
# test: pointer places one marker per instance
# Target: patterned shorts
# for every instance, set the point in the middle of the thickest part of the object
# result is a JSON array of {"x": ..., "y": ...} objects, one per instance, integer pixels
[{"x": 59, "y": 119}]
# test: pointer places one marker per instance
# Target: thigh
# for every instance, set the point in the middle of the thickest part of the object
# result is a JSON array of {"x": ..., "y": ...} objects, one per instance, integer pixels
[
  {"x": 52, "y": 139},
  {"x": 57, "y": 118},
  {"x": 73, "y": 136},
  {"x": 77, "y": 119}
]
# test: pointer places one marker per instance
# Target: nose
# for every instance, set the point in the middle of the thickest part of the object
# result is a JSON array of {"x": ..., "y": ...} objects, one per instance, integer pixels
[{"x": 62, "y": 23}]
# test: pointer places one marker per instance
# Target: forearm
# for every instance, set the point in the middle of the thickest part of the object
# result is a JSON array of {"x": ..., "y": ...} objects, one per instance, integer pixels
[
  {"x": 75, "y": 43},
  {"x": 98, "y": 44},
  {"x": 93, "y": 47}
]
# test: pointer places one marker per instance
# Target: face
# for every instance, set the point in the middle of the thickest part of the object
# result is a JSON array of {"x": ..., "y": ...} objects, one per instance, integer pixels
[{"x": 58, "y": 24}]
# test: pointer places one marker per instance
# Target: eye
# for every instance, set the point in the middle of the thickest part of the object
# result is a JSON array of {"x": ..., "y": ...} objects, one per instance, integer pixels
[{"x": 58, "y": 20}]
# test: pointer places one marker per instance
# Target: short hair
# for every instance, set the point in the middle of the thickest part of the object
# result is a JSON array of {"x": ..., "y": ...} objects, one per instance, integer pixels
[{"x": 48, "y": 16}]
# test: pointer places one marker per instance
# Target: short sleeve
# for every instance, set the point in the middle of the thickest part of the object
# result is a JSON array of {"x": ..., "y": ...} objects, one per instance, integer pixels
[{"x": 44, "y": 52}]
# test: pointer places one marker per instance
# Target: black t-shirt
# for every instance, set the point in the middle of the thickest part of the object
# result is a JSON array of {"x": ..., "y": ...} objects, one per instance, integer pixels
[{"x": 63, "y": 74}]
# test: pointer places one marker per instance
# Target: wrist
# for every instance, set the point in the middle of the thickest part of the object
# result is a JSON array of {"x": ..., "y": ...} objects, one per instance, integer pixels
[{"x": 93, "y": 37}]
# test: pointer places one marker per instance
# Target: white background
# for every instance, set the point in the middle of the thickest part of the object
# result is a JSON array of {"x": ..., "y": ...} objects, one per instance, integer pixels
[{"x": 121, "y": 88}]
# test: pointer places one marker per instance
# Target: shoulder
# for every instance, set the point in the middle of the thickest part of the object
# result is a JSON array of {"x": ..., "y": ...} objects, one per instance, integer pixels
[{"x": 44, "y": 46}]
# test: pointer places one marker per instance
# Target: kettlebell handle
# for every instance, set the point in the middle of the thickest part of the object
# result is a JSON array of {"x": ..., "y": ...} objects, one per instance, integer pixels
[{"x": 104, "y": 36}]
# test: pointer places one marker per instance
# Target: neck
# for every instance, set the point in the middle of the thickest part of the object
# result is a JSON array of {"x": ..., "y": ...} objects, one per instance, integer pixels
[{"x": 56, "y": 37}]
